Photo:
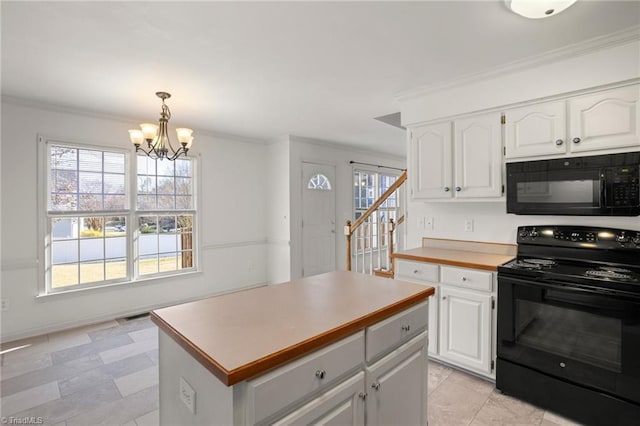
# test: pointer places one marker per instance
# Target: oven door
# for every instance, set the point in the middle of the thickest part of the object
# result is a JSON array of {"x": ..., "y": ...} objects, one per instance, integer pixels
[
  {"x": 557, "y": 192},
  {"x": 577, "y": 334}
]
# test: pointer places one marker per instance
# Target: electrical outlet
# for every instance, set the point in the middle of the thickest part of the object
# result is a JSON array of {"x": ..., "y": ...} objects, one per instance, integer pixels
[
  {"x": 468, "y": 225},
  {"x": 5, "y": 305},
  {"x": 429, "y": 223},
  {"x": 421, "y": 220},
  {"x": 187, "y": 395}
]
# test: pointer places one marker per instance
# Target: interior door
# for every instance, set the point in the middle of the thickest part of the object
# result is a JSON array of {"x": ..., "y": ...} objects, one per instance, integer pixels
[{"x": 318, "y": 219}]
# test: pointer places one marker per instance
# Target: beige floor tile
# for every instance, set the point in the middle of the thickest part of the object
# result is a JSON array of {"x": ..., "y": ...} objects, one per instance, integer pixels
[
  {"x": 18, "y": 363},
  {"x": 149, "y": 419},
  {"x": 504, "y": 410},
  {"x": 126, "y": 351},
  {"x": 137, "y": 381},
  {"x": 458, "y": 399},
  {"x": 30, "y": 398},
  {"x": 438, "y": 373}
]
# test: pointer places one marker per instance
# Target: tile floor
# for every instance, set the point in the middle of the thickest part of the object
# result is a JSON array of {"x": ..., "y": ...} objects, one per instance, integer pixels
[{"x": 107, "y": 374}]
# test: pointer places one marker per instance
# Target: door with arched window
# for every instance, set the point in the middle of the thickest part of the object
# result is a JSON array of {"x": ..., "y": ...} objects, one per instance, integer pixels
[{"x": 318, "y": 219}]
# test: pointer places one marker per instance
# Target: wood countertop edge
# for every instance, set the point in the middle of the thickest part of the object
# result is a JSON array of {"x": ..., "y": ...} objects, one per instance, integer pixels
[
  {"x": 449, "y": 262},
  {"x": 286, "y": 355}
]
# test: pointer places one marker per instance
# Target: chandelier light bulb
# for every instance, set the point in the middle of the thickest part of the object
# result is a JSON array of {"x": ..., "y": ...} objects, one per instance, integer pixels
[
  {"x": 149, "y": 130},
  {"x": 136, "y": 136},
  {"x": 184, "y": 134}
]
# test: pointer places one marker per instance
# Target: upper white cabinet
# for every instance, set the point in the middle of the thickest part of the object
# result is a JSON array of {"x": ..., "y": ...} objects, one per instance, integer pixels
[
  {"x": 457, "y": 160},
  {"x": 536, "y": 130},
  {"x": 605, "y": 120}
]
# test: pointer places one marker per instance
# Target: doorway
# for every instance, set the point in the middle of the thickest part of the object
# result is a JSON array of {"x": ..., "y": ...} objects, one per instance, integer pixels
[{"x": 318, "y": 219}]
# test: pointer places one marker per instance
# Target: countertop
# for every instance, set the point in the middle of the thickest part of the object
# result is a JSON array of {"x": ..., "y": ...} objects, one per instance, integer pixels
[
  {"x": 466, "y": 254},
  {"x": 240, "y": 335}
]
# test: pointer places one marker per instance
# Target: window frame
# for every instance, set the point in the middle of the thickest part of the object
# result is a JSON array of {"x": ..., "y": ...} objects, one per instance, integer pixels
[{"x": 45, "y": 220}]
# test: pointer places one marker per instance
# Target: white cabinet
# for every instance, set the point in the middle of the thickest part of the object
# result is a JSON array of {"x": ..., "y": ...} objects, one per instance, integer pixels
[
  {"x": 397, "y": 386},
  {"x": 342, "y": 405},
  {"x": 465, "y": 328},
  {"x": 536, "y": 130},
  {"x": 461, "y": 313},
  {"x": 457, "y": 160},
  {"x": 606, "y": 120}
]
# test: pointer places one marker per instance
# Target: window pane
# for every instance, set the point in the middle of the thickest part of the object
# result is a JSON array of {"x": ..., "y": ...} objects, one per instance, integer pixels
[
  {"x": 113, "y": 184},
  {"x": 115, "y": 247},
  {"x": 146, "y": 202},
  {"x": 64, "y": 275},
  {"x": 91, "y": 272},
  {"x": 115, "y": 202},
  {"x": 167, "y": 243},
  {"x": 64, "y": 251},
  {"x": 166, "y": 185},
  {"x": 183, "y": 168},
  {"x": 90, "y": 160},
  {"x": 92, "y": 227},
  {"x": 64, "y": 158},
  {"x": 167, "y": 224},
  {"x": 184, "y": 203},
  {"x": 90, "y": 183},
  {"x": 115, "y": 268},
  {"x": 64, "y": 181},
  {"x": 114, "y": 162},
  {"x": 183, "y": 186},
  {"x": 146, "y": 184},
  {"x": 185, "y": 259},
  {"x": 185, "y": 223},
  {"x": 63, "y": 202},
  {"x": 91, "y": 249},
  {"x": 166, "y": 202},
  {"x": 90, "y": 202},
  {"x": 165, "y": 168},
  {"x": 148, "y": 265},
  {"x": 168, "y": 262},
  {"x": 64, "y": 228}
]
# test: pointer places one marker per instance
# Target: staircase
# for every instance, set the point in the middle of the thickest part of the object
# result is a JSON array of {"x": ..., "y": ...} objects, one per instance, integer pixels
[{"x": 372, "y": 238}]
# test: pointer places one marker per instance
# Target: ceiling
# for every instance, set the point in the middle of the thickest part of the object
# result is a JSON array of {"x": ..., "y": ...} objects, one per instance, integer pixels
[{"x": 262, "y": 70}]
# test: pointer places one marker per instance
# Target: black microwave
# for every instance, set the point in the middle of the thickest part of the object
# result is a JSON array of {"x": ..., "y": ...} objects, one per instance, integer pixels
[{"x": 600, "y": 185}]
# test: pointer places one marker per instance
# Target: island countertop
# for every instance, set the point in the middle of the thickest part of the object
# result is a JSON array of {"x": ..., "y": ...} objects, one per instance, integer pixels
[{"x": 240, "y": 335}]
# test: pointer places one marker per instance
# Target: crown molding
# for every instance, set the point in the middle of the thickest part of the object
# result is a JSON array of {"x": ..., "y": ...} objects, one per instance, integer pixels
[
  {"x": 32, "y": 103},
  {"x": 628, "y": 35},
  {"x": 347, "y": 147}
]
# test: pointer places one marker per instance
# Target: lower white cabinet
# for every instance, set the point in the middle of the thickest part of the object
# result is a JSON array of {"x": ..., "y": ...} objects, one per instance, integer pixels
[
  {"x": 397, "y": 386},
  {"x": 465, "y": 328},
  {"x": 342, "y": 405},
  {"x": 461, "y": 313}
]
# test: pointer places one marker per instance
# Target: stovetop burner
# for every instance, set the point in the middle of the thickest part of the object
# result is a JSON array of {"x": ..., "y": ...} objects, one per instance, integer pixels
[
  {"x": 534, "y": 263},
  {"x": 610, "y": 272}
]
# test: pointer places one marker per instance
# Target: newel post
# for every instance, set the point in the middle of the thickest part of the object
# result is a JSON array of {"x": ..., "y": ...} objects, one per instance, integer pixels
[{"x": 347, "y": 233}]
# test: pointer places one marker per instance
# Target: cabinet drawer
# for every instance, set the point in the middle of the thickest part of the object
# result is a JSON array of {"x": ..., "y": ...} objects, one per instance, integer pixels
[
  {"x": 467, "y": 278},
  {"x": 421, "y": 271},
  {"x": 268, "y": 394},
  {"x": 387, "y": 334}
]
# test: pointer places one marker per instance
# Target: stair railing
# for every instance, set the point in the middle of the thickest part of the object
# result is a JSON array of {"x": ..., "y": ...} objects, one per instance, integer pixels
[{"x": 374, "y": 238}]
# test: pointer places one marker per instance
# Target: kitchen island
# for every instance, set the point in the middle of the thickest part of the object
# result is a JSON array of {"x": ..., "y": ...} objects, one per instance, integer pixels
[{"x": 329, "y": 347}]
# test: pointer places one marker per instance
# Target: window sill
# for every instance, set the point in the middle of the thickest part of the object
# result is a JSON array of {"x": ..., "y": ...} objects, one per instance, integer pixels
[{"x": 100, "y": 288}]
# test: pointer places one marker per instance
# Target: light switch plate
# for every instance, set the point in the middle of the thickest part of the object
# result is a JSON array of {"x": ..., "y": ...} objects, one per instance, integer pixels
[
  {"x": 188, "y": 395},
  {"x": 468, "y": 225}
]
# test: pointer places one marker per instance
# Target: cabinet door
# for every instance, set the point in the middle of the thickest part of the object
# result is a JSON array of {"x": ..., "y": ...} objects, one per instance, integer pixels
[
  {"x": 465, "y": 328},
  {"x": 397, "y": 386},
  {"x": 430, "y": 172},
  {"x": 536, "y": 130},
  {"x": 342, "y": 405},
  {"x": 478, "y": 156},
  {"x": 605, "y": 120}
]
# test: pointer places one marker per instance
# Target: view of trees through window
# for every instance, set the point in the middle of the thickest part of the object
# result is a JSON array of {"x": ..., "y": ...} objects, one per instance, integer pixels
[
  {"x": 88, "y": 201},
  {"x": 368, "y": 186}
]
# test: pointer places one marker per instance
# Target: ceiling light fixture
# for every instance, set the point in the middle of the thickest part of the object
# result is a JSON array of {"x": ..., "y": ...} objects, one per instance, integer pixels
[
  {"x": 158, "y": 144},
  {"x": 536, "y": 9}
]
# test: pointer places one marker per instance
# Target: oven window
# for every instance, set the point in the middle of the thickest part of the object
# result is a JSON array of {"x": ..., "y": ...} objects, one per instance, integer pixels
[
  {"x": 577, "y": 335},
  {"x": 560, "y": 191}
]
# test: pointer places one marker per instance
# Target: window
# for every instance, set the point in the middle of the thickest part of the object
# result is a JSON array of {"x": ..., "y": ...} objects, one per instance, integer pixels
[
  {"x": 94, "y": 237},
  {"x": 368, "y": 187},
  {"x": 319, "y": 182}
]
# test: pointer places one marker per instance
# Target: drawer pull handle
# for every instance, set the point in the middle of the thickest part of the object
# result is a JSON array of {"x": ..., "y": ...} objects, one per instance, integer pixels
[
  {"x": 576, "y": 140},
  {"x": 362, "y": 395},
  {"x": 375, "y": 385},
  {"x": 444, "y": 297},
  {"x": 406, "y": 327},
  {"x": 446, "y": 189},
  {"x": 458, "y": 189},
  {"x": 464, "y": 278},
  {"x": 559, "y": 142},
  {"x": 320, "y": 374}
]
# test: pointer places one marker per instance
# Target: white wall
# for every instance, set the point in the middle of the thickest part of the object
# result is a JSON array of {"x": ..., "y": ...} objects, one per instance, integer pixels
[
  {"x": 278, "y": 216},
  {"x": 307, "y": 150},
  {"x": 602, "y": 62},
  {"x": 233, "y": 232}
]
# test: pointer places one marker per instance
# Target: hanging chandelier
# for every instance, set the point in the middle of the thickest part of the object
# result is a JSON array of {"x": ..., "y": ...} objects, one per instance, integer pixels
[{"x": 158, "y": 143}]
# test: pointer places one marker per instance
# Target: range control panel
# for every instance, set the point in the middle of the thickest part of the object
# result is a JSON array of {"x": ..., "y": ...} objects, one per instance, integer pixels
[{"x": 579, "y": 236}]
